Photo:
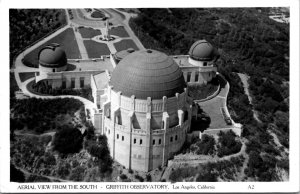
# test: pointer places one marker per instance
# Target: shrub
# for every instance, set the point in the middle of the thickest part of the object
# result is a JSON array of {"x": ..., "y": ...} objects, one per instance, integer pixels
[
  {"x": 141, "y": 179},
  {"x": 228, "y": 144},
  {"x": 123, "y": 176},
  {"x": 68, "y": 140},
  {"x": 77, "y": 174},
  {"x": 148, "y": 177},
  {"x": 205, "y": 145}
]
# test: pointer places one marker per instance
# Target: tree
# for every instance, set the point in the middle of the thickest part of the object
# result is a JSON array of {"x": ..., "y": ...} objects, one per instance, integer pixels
[{"x": 68, "y": 140}]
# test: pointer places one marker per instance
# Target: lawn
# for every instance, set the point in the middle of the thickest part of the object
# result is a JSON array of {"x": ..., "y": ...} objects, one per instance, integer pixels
[
  {"x": 26, "y": 75},
  {"x": 125, "y": 44},
  {"x": 95, "y": 49},
  {"x": 67, "y": 41},
  {"x": 97, "y": 14},
  {"x": 89, "y": 32},
  {"x": 119, "y": 31}
]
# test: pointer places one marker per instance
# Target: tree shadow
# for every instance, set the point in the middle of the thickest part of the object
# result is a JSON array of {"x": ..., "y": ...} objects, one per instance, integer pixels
[
  {"x": 71, "y": 67},
  {"x": 201, "y": 122}
]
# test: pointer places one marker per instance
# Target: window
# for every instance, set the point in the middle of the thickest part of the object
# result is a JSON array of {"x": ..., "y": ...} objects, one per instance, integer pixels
[
  {"x": 141, "y": 141},
  {"x": 122, "y": 138},
  {"x": 175, "y": 137},
  {"x": 171, "y": 139},
  {"x": 72, "y": 82},
  {"x": 134, "y": 141},
  {"x": 117, "y": 136},
  {"x": 53, "y": 70},
  {"x": 109, "y": 131},
  {"x": 205, "y": 64},
  {"x": 159, "y": 141},
  {"x": 196, "y": 77},
  {"x": 153, "y": 141},
  {"x": 188, "y": 78},
  {"x": 82, "y": 82},
  {"x": 64, "y": 85}
]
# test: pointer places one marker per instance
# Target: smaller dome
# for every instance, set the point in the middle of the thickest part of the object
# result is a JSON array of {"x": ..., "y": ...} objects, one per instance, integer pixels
[
  {"x": 203, "y": 51},
  {"x": 52, "y": 56},
  {"x": 122, "y": 54}
]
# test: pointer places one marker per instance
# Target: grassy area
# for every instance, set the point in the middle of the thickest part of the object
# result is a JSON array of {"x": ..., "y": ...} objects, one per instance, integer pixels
[
  {"x": 95, "y": 49},
  {"x": 89, "y": 32},
  {"x": 26, "y": 75},
  {"x": 125, "y": 44},
  {"x": 67, "y": 41},
  {"x": 97, "y": 14},
  {"x": 119, "y": 31}
]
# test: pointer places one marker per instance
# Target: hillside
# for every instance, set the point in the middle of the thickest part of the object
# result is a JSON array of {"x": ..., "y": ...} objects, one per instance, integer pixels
[{"x": 250, "y": 43}]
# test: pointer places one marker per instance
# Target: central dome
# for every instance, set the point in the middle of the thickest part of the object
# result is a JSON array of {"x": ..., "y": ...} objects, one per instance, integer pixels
[{"x": 148, "y": 73}]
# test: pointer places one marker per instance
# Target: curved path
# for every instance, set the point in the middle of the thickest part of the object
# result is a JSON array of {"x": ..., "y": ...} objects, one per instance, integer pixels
[
  {"x": 213, "y": 107},
  {"x": 244, "y": 78}
]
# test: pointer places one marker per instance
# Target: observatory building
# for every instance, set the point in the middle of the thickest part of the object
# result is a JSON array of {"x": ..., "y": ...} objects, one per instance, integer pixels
[
  {"x": 147, "y": 113},
  {"x": 143, "y": 106}
]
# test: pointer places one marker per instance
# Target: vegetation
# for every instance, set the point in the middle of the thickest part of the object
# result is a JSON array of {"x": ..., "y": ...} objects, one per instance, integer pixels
[
  {"x": 89, "y": 32},
  {"x": 228, "y": 144},
  {"x": 68, "y": 140},
  {"x": 204, "y": 146},
  {"x": 65, "y": 39},
  {"x": 39, "y": 115},
  {"x": 97, "y": 14},
  {"x": 13, "y": 85},
  {"x": 125, "y": 44},
  {"x": 209, "y": 172},
  {"x": 198, "y": 92},
  {"x": 96, "y": 49},
  {"x": 29, "y": 25},
  {"x": 249, "y": 42},
  {"x": 119, "y": 31},
  {"x": 42, "y": 88}
]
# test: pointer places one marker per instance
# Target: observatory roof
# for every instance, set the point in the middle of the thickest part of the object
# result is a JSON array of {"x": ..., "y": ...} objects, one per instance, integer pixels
[{"x": 148, "y": 73}]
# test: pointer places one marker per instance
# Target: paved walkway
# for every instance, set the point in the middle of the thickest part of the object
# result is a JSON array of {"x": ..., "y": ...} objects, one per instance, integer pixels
[
  {"x": 212, "y": 107},
  {"x": 82, "y": 49},
  {"x": 119, "y": 14}
]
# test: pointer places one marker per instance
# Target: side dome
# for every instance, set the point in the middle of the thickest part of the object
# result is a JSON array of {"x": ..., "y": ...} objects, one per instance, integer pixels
[
  {"x": 52, "y": 56},
  {"x": 203, "y": 51},
  {"x": 148, "y": 73}
]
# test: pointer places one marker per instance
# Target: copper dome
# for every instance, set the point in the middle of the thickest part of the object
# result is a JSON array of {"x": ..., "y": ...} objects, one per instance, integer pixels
[{"x": 148, "y": 73}]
